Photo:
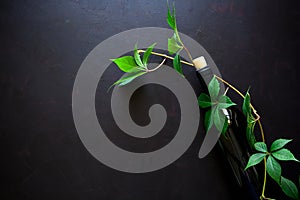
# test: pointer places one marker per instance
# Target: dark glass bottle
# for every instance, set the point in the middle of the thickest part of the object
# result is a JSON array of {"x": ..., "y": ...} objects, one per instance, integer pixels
[{"x": 235, "y": 145}]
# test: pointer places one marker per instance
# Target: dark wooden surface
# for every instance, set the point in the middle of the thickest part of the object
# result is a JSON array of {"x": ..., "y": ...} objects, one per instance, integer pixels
[{"x": 254, "y": 43}]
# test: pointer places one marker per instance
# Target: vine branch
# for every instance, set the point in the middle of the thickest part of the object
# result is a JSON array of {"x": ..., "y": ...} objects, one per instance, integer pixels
[
  {"x": 240, "y": 94},
  {"x": 261, "y": 132},
  {"x": 166, "y": 56}
]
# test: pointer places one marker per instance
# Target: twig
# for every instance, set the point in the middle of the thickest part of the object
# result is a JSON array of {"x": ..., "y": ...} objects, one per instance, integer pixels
[
  {"x": 152, "y": 70},
  {"x": 166, "y": 56}
]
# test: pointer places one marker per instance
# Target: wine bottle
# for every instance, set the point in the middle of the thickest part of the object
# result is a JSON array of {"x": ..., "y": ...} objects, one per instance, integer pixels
[{"x": 234, "y": 144}]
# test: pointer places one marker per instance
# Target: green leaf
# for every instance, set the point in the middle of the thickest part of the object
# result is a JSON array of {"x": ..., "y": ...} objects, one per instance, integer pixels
[
  {"x": 278, "y": 144},
  {"x": 274, "y": 169},
  {"x": 171, "y": 19},
  {"x": 177, "y": 64},
  {"x": 225, "y": 102},
  {"x": 219, "y": 119},
  {"x": 208, "y": 121},
  {"x": 137, "y": 57},
  {"x": 289, "y": 188},
  {"x": 214, "y": 88},
  {"x": 261, "y": 146},
  {"x": 255, "y": 159},
  {"x": 250, "y": 131},
  {"x": 250, "y": 120},
  {"x": 246, "y": 104},
  {"x": 128, "y": 78},
  {"x": 204, "y": 101},
  {"x": 226, "y": 99},
  {"x": 126, "y": 64},
  {"x": 173, "y": 46},
  {"x": 148, "y": 53},
  {"x": 284, "y": 154},
  {"x": 250, "y": 137}
]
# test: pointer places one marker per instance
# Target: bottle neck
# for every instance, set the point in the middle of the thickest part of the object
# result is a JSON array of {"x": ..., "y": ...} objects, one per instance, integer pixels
[{"x": 206, "y": 74}]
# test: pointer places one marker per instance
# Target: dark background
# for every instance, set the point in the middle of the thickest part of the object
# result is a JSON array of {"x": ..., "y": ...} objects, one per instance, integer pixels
[{"x": 254, "y": 43}]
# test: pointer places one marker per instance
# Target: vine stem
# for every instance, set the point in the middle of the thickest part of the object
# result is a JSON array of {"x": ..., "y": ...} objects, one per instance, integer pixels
[
  {"x": 166, "y": 56},
  {"x": 226, "y": 90},
  {"x": 152, "y": 70},
  {"x": 189, "y": 54},
  {"x": 265, "y": 161}
]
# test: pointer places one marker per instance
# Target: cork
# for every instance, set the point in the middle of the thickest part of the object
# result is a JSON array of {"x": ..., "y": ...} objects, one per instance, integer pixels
[{"x": 199, "y": 62}]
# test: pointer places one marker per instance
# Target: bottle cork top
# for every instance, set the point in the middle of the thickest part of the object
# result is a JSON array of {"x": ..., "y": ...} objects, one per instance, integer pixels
[{"x": 199, "y": 62}]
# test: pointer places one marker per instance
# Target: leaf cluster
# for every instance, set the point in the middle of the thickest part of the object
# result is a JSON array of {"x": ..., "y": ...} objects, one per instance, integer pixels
[
  {"x": 217, "y": 104},
  {"x": 276, "y": 153},
  {"x": 134, "y": 66}
]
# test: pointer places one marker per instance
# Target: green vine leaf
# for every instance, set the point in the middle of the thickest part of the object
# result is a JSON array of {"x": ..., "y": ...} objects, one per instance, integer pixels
[
  {"x": 208, "y": 121},
  {"x": 137, "y": 58},
  {"x": 126, "y": 64},
  {"x": 219, "y": 119},
  {"x": 128, "y": 78},
  {"x": 173, "y": 45},
  {"x": 225, "y": 102},
  {"x": 250, "y": 120},
  {"x": 246, "y": 104},
  {"x": 214, "y": 88},
  {"x": 171, "y": 19},
  {"x": 261, "y": 146},
  {"x": 278, "y": 144},
  {"x": 204, "y": 101},
  {"x": 289, "y": 188},
  {"x": 274, "y": 169},
  {"x": 250, "y": 133},
  {"x": 255, "y": 159},
  {"x": 177, "y": 64},
  {"x": 285, "y": 155},
  {"x": 148, "y": 53}
]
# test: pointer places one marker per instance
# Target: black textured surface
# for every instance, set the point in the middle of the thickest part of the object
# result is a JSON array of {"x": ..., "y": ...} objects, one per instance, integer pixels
[{"x": 42, "y": 46}]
